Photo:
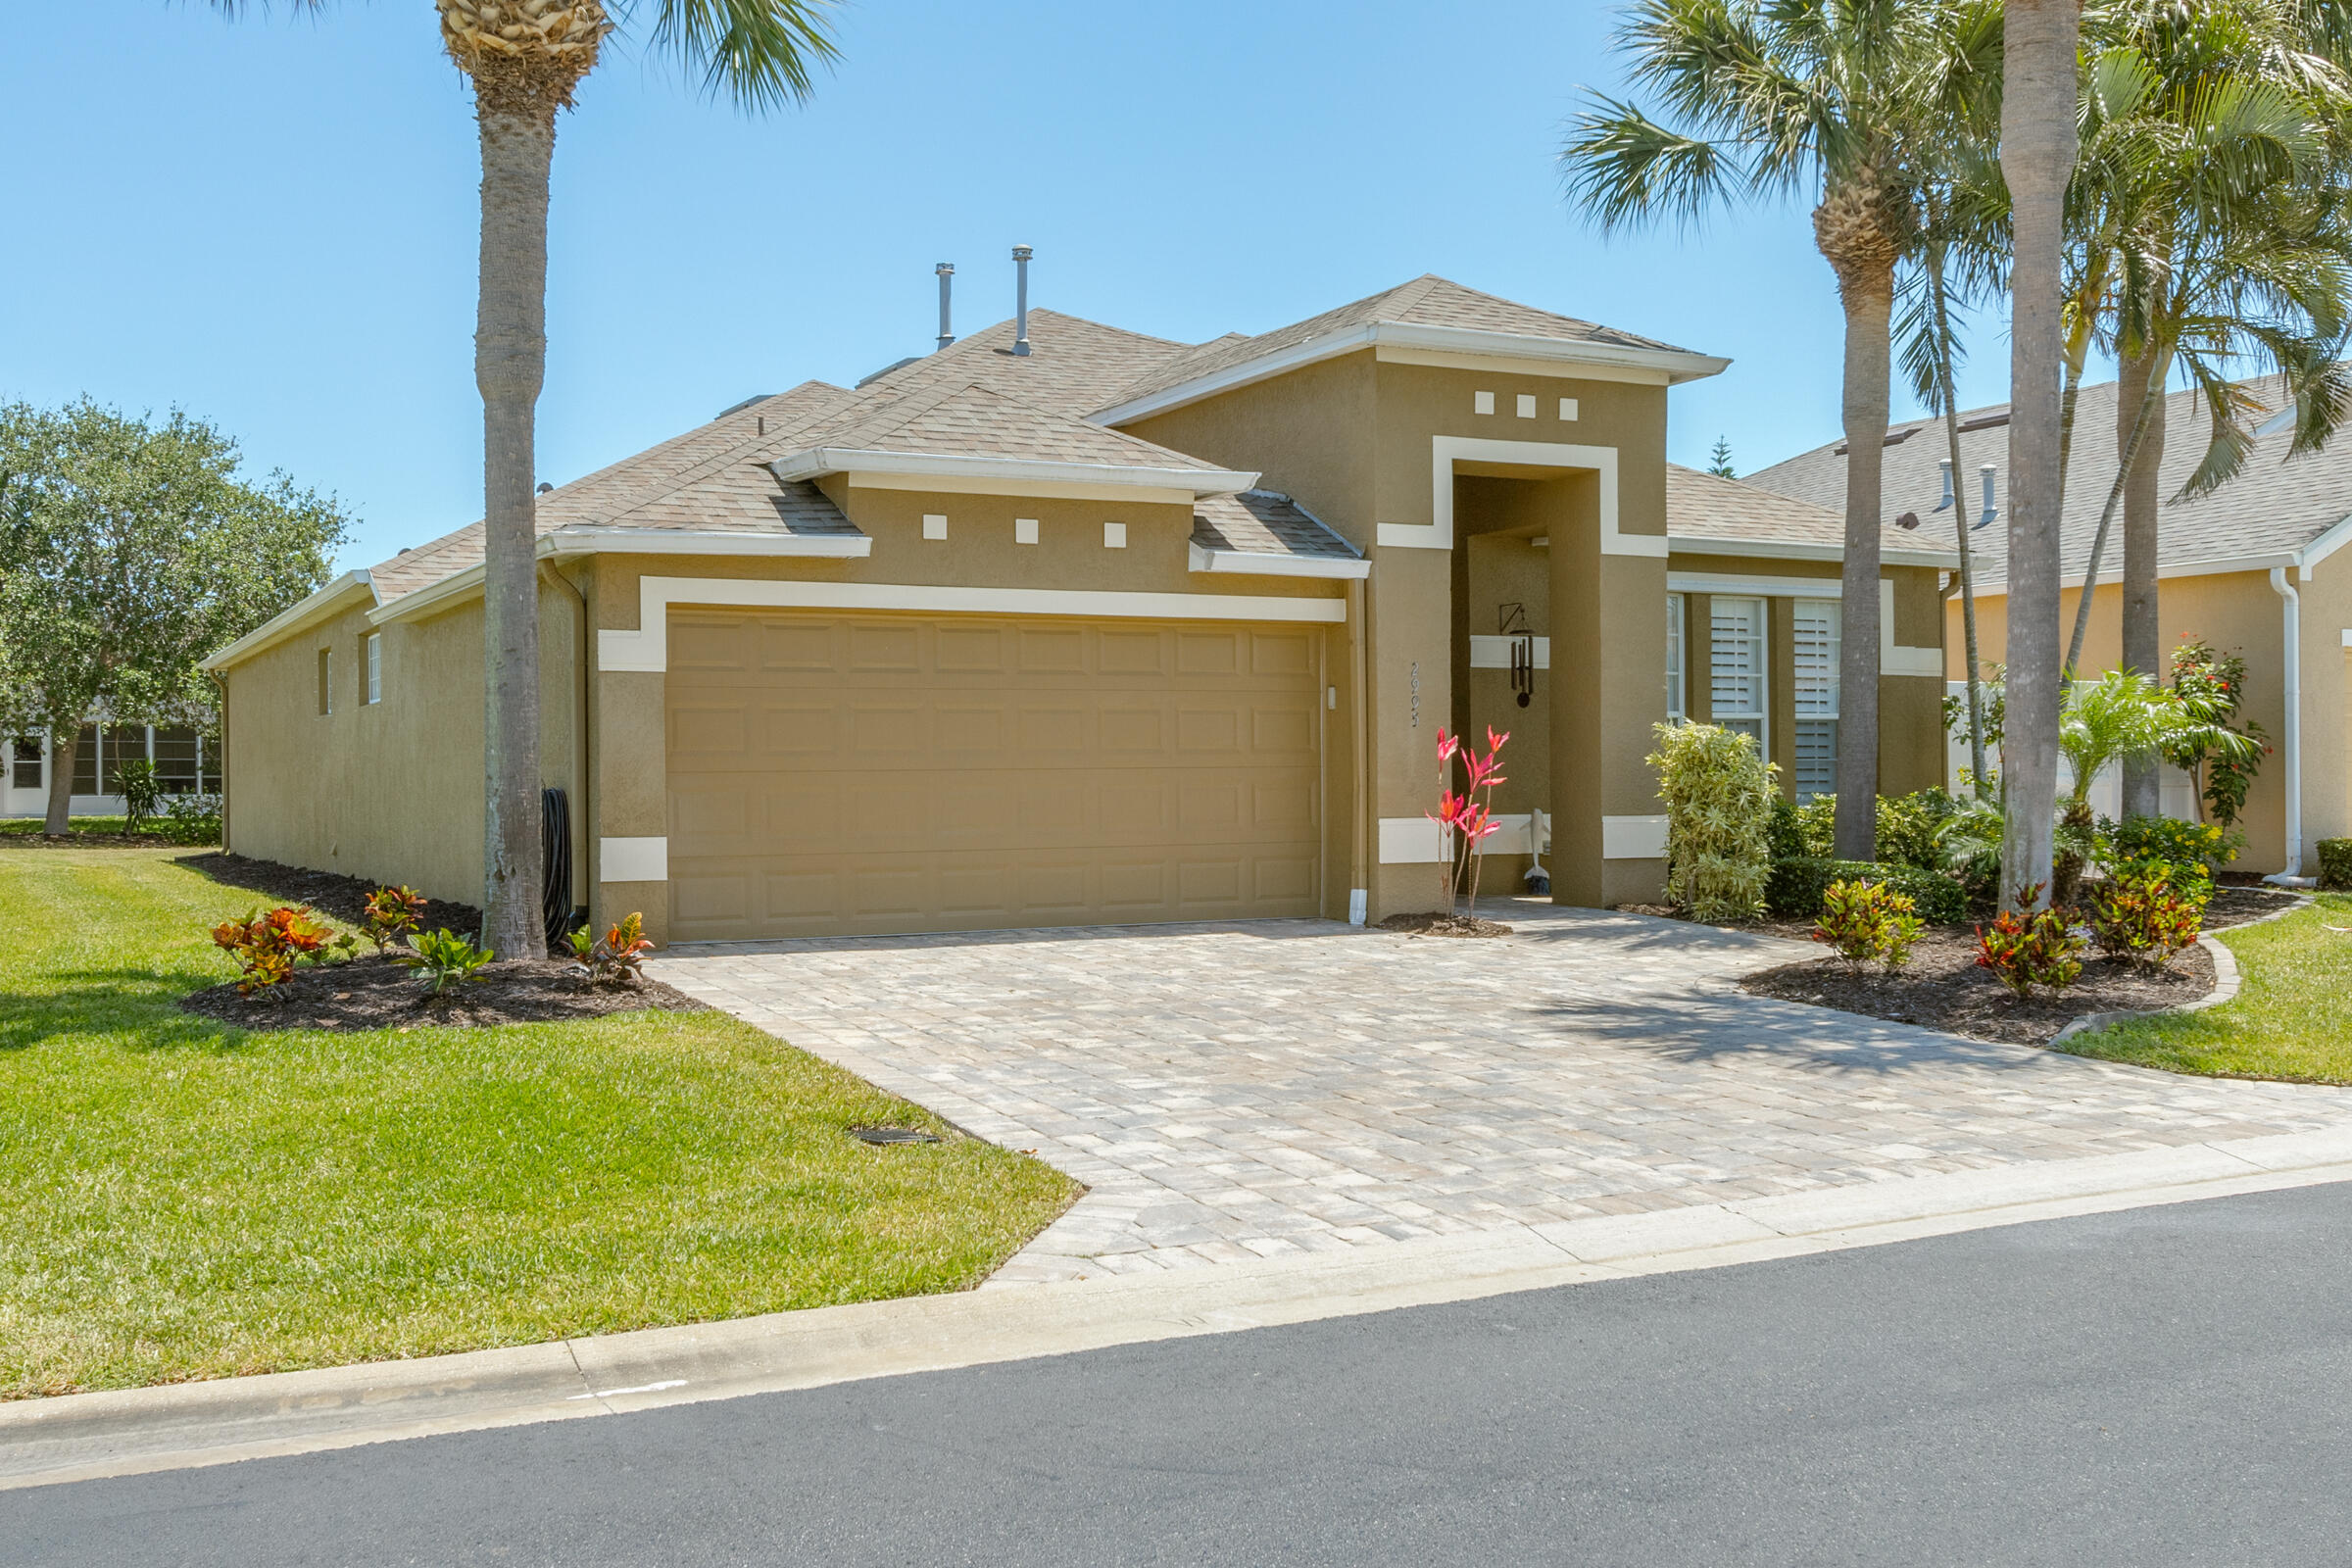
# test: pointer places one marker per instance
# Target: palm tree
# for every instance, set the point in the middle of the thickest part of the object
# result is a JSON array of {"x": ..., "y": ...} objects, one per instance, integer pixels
[
  {"x": 2038, "y": 144},
  {"x": 2224, "y": 242},
  {"x": 1842, "y": 101},
  {"x": 526, "y": 60}
]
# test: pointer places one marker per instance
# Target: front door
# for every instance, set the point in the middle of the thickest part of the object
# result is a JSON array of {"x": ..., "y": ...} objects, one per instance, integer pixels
[{"x": 28, "y": 776}]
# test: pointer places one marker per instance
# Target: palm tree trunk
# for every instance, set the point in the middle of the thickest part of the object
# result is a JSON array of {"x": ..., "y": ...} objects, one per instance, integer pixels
[
  {"x": 1967, "y": 579},
  {"x": 1866, "y": 288},
  {"x": 2143, "y": 640},
  {"x": 2141, "y": 406},
  {"x": 2039, "y": 146},
  {"x": 510, "y": 362},
  {"x": 64, "y": 746}
]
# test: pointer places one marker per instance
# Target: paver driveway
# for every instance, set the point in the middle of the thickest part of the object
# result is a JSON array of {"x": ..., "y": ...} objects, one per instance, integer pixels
[{"x": 1249, "y": 1089}]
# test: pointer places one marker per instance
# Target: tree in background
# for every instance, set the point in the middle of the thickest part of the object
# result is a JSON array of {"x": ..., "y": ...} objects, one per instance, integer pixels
[
  {"x": 525, "y": 59},
  {"x": 2038, "y": 144},
  {"x": 128, "y": 551},
  {"x": 1719, "y": 461},
  {"x": 1844, "y": 101}
]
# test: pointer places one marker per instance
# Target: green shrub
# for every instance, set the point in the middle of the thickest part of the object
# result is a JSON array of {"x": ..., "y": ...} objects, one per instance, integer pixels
[
  {"x": 2148, "y": 910},
  {"x": 1717, "y": 793},
  {"x": 141, "y": 792},
  {"x": 1866, "y": 920},
  {"x": 1907, "y": 828},
  {"x": 2203, "y": 845},
  {"x": 192, "y": 819},
  {"x": 1798, "y": 886},
  {"x": 442, "y": 956},
  {"x": 617, "y": 958},
  {"x": 2335, "y": 862}
]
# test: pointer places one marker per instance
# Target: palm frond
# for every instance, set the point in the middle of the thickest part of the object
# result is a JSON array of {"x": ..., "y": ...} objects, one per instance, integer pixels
[{"x": 763, "y": 54}]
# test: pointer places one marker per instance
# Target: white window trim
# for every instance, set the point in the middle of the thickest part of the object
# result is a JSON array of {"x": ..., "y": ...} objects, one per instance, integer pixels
[
  {"x": 1677, "y": 657},
  {"x": 375, "y": 642}
]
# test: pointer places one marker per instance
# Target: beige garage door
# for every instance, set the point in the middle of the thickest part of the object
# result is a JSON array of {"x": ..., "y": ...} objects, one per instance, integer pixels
[{"x": 886, "y": 773}]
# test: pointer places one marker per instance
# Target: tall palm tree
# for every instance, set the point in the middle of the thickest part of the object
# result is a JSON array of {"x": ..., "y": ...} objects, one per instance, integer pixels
[
  {"x": 1839, "y": 100},
  {"x": 2038, "y": 144},
  {"x": 526, "y": 60}
]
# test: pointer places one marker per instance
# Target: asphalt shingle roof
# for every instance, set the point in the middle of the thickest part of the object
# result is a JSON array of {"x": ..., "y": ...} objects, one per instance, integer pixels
[
  {"x": 946, "y": 419},
  {"x": 2276, "y": 505},
  {"x": 1426, "y": 301},
  {"x": 1701, "y": 506},
  {"x": 1265, "y": 523}
]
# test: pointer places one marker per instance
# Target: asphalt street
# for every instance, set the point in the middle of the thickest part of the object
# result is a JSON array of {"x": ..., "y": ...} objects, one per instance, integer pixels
[{"x": 2166, "y": 1386}]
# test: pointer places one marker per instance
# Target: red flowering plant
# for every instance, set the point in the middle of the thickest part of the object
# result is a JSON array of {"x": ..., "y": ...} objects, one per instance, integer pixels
[
  {"x": 265, "y": 946},
  {"x": 2219, "y": 754},
  {"x": 1466, "y": 819}
]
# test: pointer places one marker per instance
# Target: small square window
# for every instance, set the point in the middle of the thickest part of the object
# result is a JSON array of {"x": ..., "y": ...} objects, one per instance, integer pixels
[
  {"x": 1527, "y": 405},
  {"x": 1567, "y": 407},
  {"x": 371, "y": 655},
  {"x": 1024, "y": 531},
  {"x": 1481, "y": 402},
  {"x": 1114, "y": 536},
  {"x": 935, "y": 525},
  {"x": 327, "y": 680}
]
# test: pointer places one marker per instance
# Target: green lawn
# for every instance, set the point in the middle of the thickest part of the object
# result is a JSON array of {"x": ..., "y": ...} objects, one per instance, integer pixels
[
  {"x": 183, "y": 1199},
  {"x": 2292, "y": 1019}
]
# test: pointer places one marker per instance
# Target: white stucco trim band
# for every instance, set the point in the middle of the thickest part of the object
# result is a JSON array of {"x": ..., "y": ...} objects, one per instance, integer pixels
[
  {"x": 1495, "y": 652},
  {"x": 646, "y": 649},
  {"x": 1420, "y": 841},
  {"x": 1894, "y": 659},
  {"x": 1447, "y": 450},
  {"x": 643, "y": 859}
]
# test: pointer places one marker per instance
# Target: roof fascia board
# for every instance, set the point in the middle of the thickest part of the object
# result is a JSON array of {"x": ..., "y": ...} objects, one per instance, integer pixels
[
  {"x": 1795, "y": 550},
  {"x": 1676, "y": 364},
  {"x": 2218, "y": 567},
  {"x": 326, "y": 602},
  {"x": 432, "y": 596},
  {"x": 622, "y": 541},
  {"x": 856, "y": 463},
  {"x": 2325, "y": 545},
  {"x": 1511, "y": 365},
  {"x": 1260, "y": 563}
]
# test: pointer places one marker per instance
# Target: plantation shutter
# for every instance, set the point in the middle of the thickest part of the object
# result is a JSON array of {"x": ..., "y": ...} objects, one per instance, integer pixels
[
  {"x": 1736, "y": 665},
  {"x": 1677, "y": 702},
  {"x": 1815, "y": 636}
]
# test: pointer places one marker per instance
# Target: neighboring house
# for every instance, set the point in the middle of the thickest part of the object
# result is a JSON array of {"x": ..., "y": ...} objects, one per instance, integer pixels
[
  {"x": 1063, "y": 625},
  {"x": 184, "y": 763},
  {"x": 2252, "y": 569}
]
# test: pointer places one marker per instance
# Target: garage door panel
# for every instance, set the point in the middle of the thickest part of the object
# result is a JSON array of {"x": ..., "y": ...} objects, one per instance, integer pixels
[{"x": 847, "y": 774}]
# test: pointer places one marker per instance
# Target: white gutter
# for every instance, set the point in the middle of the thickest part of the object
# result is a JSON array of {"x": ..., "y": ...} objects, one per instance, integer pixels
[
  {"x": 326, "y": 602},
  {"x": 1675, "y": 365},
  {"x": 2290, "y": 744},
  {"x": 814, "y": 462},
  {"x": 1797, "y": 550}
]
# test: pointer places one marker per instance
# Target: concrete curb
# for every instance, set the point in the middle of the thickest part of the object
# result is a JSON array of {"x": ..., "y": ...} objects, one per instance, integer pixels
[
  {"x": 91, "y": 1436},
  {"x": 2226, "y": 981}
]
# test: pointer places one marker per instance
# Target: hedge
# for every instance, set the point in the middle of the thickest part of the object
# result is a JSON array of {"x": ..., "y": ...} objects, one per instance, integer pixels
[
  {"x": 1798, "y": 883},
  {"x": 2335, "y": 862}
]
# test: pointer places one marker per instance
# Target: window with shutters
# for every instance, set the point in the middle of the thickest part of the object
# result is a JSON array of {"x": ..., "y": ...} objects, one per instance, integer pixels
[
  {"x": 1736, "y": 665},
  {"x": 1678, "y": 700},
  {"x": 1814, "y": 632}
]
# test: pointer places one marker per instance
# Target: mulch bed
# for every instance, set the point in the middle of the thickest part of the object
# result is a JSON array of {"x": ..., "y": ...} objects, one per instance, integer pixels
[
  {"x": 1942, "y": 988},
  {"x": 343, "y": 896},
  {"x": 1444, "y": 925},
  {"x": 374, "y": 993}
]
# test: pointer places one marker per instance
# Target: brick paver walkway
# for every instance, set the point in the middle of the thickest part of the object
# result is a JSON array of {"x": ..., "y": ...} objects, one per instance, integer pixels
[{"x": 1250, "y": 1088}]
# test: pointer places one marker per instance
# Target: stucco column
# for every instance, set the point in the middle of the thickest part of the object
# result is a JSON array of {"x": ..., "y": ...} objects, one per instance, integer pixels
[
  {"x": 1411, "y": 624},
  {"x": 630, "y": 807},
  {"x": 1607, "y": 687}
]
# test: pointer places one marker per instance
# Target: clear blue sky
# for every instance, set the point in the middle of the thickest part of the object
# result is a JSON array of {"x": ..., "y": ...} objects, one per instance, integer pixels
[{"x": 272, "y": 223}]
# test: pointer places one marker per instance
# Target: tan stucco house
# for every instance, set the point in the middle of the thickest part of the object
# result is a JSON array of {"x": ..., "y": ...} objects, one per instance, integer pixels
[
  {"x": 2256, "y": 569},
  {"x": 1067, "y": 624}
]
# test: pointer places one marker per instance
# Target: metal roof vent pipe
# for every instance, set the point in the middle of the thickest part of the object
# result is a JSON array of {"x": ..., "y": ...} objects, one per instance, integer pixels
[
  {"x": 1945, "y": 463},
  {"x": 946, "y": 282},
  {"x": 1990, "y": 511},
  {"x": 1020, "y": 298}
]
